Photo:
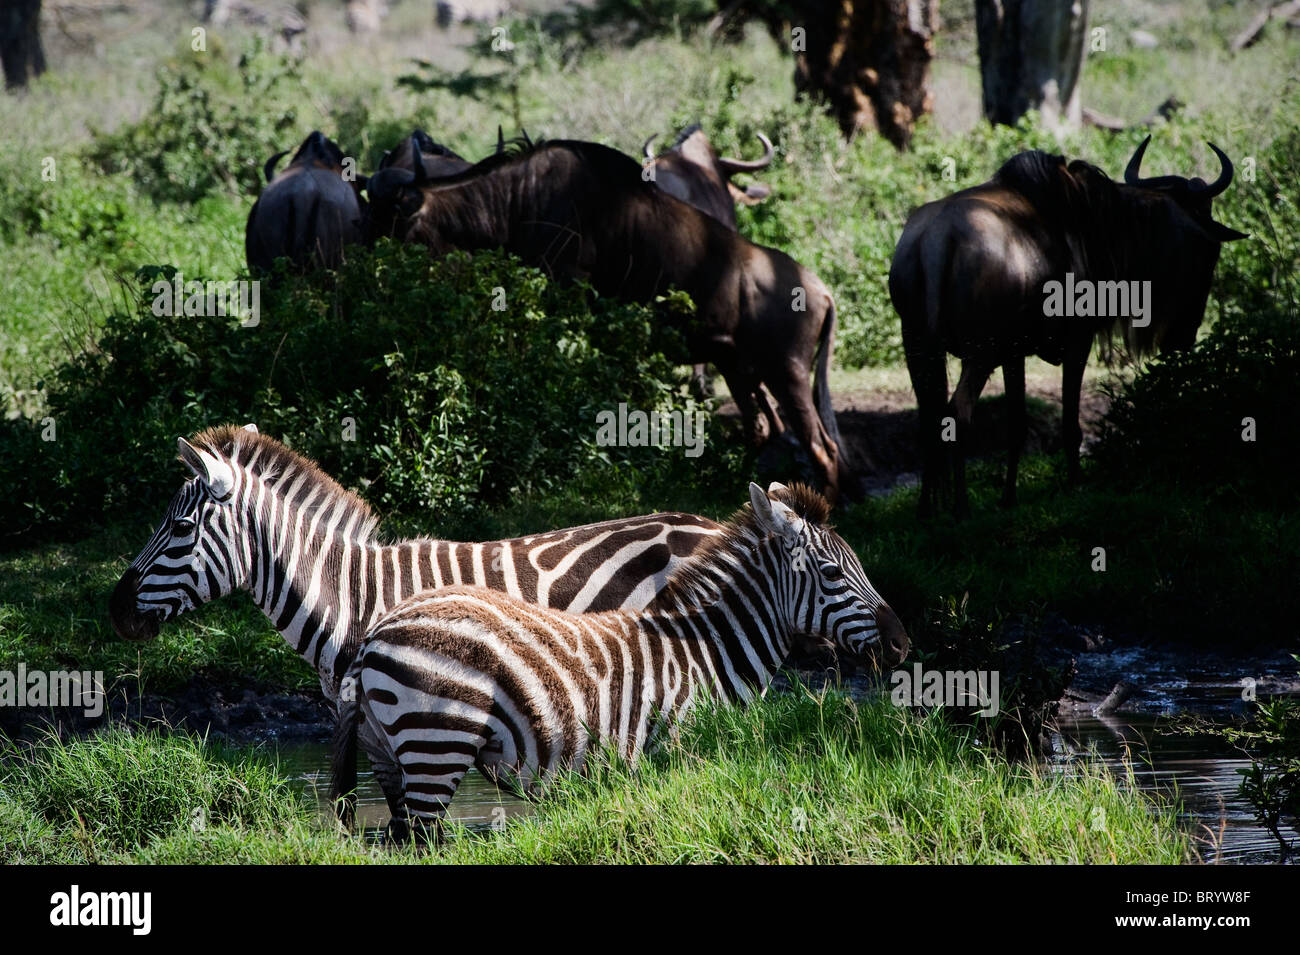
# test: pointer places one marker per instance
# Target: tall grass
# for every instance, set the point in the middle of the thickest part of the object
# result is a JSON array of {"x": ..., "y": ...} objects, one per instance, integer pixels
[
  {"x": 795, "y": 778},
  {"x": 96, "y": 799}
]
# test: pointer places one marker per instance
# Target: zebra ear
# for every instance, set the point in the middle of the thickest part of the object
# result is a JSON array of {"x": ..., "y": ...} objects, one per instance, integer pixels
[
  {"x": 210, "y": 469},
  {"x": 251, "y": 427},
  {"x": 772, "y": 514}
]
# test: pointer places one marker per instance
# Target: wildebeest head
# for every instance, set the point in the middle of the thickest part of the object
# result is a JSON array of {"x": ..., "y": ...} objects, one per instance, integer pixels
[
  {"x": 438, "y": 159},
  {"x": 1158, "y": 230},
  {"x": 309, "y": 211},
  {"x": 692, "y": 171},
  {"x": 1195, "y": 232}
]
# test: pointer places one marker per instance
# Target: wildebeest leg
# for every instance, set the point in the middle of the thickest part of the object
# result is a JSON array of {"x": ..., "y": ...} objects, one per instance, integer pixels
[
  {"x": 793, "y": 392},
  {"x": 1013, "y": 378},
  {"x": 775, "y": 425},
  {"x": 974, "y": 374},
  {"x": 744, "y": 386},
  {"x": 701, "y": 381},
  {"x": 929, "y": 373},
  {"x": 1076, "y": 360}
]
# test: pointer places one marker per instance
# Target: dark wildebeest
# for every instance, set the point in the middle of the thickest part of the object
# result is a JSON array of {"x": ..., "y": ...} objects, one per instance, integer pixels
[
  {"x": 438, "y": 160},
  {"x": 308, "y": 212},
  {"x": 582, "y": 211},
  {"x": 692, "y": 171},
  {"x": 984, "y": 275}
]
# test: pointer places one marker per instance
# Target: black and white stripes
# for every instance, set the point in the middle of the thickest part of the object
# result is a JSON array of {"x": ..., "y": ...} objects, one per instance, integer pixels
[
  {"x": 466, "y": 676},
  {"x": 258, "y": 517}
]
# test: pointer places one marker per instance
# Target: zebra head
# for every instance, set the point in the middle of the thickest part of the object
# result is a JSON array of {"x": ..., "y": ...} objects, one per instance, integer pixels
[
  {"x": 189, "y": 560},
  {"x": 829, "y": 599}
]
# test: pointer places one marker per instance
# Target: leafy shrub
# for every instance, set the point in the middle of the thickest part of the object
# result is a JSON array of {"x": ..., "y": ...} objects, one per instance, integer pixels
[
  {"x": 396, "y": 374},
  {"x": 1032, "y": 676},
  {"x": 200, "y": 135}
]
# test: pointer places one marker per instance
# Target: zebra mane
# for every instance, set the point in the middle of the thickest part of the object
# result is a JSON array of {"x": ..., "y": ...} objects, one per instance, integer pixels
[
  {"x": 272, "y": 461},
  {"x": 740, "y": 528}
]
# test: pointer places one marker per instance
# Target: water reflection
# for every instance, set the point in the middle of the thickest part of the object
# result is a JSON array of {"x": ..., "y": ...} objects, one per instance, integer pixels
[
  {"x": 478, "y": 802},
  {"x": 1200, "y": 772}
]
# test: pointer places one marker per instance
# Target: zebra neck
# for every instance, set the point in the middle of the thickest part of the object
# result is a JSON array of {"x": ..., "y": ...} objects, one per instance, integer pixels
[
  {"x": 317, "y": 583},
  {"x": 737, "y": 608}
]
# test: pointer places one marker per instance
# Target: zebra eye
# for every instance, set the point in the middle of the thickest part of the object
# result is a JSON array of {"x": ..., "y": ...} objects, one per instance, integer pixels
[
  {"x": 182, "y": 527},
  {"x": 832, "y": 572}
]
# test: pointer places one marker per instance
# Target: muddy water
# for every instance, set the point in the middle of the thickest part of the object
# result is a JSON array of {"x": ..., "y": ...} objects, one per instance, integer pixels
[{"x": 478, "y": 803}]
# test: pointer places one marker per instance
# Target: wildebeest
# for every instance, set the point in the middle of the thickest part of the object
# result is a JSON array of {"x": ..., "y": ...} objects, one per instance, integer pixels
[
  {"x": 1040, "y": 260},
  {"x": 438, "y": 159},
  {"x": 582, "y": 211},
  {"x": 692, "y": 171},
  {"x": 308, "y": 212}
]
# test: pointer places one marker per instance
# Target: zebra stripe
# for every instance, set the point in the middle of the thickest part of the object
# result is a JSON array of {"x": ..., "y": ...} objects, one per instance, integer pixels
[
  {"x": 259, "y": 517},
  {"x": 465, "y": 676}
]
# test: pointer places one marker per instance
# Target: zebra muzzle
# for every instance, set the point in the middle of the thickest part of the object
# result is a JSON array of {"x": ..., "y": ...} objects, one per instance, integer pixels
[{"x": 128, "y": 622}]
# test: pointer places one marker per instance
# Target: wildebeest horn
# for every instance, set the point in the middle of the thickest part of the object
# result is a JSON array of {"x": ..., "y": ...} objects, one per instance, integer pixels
[
  {"x": 742, "y": 165},
  {"x": 523, "y": 134},
  {"x": 417, "y": 162},
  {"x": 501, "y": 139},
  {"x": 1225, "y": 176},
  {"x": 269, "y": 169},
  {"x": 1132, "y": 173},
  {"x": 645, "y": 148}
]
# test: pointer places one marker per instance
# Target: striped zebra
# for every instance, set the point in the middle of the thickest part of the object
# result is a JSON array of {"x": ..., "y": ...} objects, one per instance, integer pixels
[
  {"x": 467, "y": 677},
  {"x": 257, "y": 516}
]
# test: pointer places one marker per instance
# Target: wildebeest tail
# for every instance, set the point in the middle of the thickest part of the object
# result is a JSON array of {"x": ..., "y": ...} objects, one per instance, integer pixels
[
  {"x": 822, "y": 388},
  {"x": 343, "y": 750}
]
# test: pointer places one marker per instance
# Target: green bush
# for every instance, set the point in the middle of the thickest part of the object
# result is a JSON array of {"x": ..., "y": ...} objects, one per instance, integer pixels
[
  {"x": 396, "y": 374},
  {"x": 200, "y": 135}
]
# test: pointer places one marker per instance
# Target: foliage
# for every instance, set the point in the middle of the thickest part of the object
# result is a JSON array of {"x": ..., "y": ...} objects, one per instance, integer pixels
[
  {"x": 200, "y": 134},
  {"x": 399, "y": 375},
  {"x": 1032, "y": 677}
]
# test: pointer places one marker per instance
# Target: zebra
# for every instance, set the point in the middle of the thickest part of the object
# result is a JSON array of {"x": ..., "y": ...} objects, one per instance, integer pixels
[
  {"x": 259, "y": 517},
  {"x": 465, "y": 676}
]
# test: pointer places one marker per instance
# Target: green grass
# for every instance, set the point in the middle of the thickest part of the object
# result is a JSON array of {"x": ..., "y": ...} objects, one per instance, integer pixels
[
  {"x": 98, "y": 799},
  {"x": 797, "y": 778}
]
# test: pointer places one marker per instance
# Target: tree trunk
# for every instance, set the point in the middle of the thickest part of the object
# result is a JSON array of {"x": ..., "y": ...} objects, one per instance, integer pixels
[
  {"x": 20, "y": 41},
  {"x": 1031, "y": 54},
  {"x": 869, "y": 61}
]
